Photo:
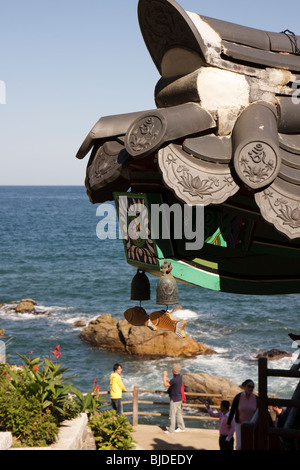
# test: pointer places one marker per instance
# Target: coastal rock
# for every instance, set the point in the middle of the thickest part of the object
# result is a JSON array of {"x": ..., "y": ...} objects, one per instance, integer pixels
[
  {"x": 26, "y": 306},
  {"x": 2, "y": 331},
  {"x": 274, "y": 354},
  {"x": 119, "y": 336},
  {"x": 103, "y": 333},
  {"x": 79, "y": 323},
  {"x": 209, "y": 384}
]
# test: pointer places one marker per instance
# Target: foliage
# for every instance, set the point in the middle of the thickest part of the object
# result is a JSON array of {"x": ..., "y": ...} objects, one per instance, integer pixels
[
  {"x": 43, "y": 380},
  {"x": 89, "y": 403},
  {"x": 112, "y": 431},
  {"x": 23, "y": 417},
  {"x": 35, "y": 398}
]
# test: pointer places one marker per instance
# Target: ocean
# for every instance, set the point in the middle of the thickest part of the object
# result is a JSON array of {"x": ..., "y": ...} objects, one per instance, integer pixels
[{"x": 50, "y": 252}]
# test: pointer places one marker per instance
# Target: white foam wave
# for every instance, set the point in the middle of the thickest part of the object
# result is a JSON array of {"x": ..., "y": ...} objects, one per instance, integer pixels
[
  {"x": 54, "y": 313},
  {"x": 184, "y": 314},
  {"x": 219, "y": 350},
  {"x": 54, "y": 308},
  {"x": 282, "y": 363},
  {"x": 78, "y": 317},
  {"x": 18, "y": 316}
]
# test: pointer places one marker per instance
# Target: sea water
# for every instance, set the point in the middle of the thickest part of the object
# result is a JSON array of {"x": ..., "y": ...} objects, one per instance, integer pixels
[{"x": 49, "y": 251}]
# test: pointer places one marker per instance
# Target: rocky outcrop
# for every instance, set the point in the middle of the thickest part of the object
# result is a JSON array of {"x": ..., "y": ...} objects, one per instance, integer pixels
[
  {"x": 274, "y": 354},
  {"x": 120, "y": 336},
  {"x": 79, "y": 323},
  {"x": 26, "y": 306},
  {"x": 209, "y": 384}
]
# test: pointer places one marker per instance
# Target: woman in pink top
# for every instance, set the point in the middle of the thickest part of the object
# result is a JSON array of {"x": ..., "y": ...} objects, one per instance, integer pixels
[{"x": 243, "y": 408}]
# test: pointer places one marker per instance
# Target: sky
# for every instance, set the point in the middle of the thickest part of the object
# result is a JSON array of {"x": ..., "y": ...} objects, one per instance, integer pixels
[{"x": 67, "y": 63}]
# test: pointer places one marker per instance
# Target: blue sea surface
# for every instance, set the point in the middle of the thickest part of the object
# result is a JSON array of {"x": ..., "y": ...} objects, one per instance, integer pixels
[{"x": 49, "y": 251}]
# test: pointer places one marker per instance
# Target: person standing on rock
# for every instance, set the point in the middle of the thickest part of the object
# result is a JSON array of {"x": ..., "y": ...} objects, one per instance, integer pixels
[
  {"x": 116, "y": 387},
  {"x": 174, "y": 389}
]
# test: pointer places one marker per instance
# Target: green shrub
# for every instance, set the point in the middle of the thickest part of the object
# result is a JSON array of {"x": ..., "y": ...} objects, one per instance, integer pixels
[
  {"x": 112, "y": 431},
  {"x": 23, "y": 417},
  {"x": 44, "y": 380},
  {"x": 89, "y": 403},
  {"x": 36, "y": 398}
]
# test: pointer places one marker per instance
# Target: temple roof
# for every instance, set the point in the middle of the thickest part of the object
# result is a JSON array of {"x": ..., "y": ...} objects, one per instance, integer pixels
[
  {"x": 227, "y": 118},
  {"x": 166, "y": 26}
]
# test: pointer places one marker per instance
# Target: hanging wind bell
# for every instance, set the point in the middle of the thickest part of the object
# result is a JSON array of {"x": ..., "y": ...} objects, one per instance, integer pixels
[
  {"x": 140, "y": 287},
  {"x": 167, "y": 294},
  {"x": 167, "y": 291},
  {"x": 140, "y": 290}
]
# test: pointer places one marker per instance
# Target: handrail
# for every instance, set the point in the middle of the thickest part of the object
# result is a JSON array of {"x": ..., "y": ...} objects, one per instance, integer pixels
[
  {"x": 264, "y": 430},
  {"x": 136, "y": 401}
]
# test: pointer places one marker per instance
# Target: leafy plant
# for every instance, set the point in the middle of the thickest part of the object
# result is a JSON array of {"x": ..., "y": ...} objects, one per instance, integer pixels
[
  {"x": 112, "y": 431},
  {"x": 35, "y": 398},
  {"x": 89, "y": 403},
  {"x": 43, "y": 379},
  {"x": 23, "y": 417}
]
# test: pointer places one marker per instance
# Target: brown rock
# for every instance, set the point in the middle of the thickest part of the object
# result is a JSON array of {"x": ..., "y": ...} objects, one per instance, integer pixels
[
  {"x": 210, "y": 384},
  {"x": 103, "y": 333},
  {"x": 108, "y": 333},
  {"x": 79, "y": 323},
  {"x": 2, "y": 331},
  {"x": 274, "y": 354},
  {"x": 26, "y": 306}
]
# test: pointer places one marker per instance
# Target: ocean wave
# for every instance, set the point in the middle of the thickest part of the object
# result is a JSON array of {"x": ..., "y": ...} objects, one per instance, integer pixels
[
  {"x": 55, "y": 308},
  {"x": 184, "y": 314},
  {"x": 13, "y": 316},
  {"x": 53, "y": 313}
]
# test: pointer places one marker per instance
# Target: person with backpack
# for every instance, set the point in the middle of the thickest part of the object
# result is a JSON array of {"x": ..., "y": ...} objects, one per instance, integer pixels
[{"x": 175, "y": 392}]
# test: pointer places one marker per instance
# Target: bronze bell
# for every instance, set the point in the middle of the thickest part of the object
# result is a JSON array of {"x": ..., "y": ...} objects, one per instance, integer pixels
[
  {"x": 167, "y": 291},
  {"x": 140, "y": 287}
]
